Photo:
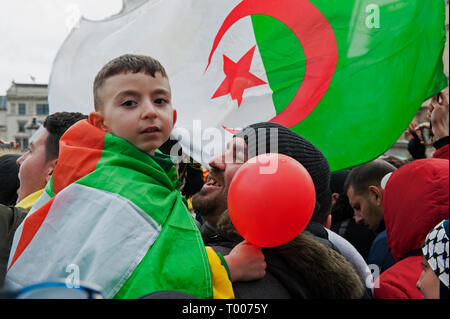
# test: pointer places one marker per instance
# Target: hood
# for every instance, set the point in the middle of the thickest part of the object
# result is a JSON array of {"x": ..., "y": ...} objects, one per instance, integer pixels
[
  {"x": 415, "y": 200},
  {"x": 83, "y": 146}
]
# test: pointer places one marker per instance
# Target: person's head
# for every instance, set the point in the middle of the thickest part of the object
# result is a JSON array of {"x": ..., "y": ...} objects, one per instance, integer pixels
[
  {"x": 397, "y": 162},
  {"x": 133, "y": 100},
  {"x": 337, "y": 180},
  {"x": 433, "y": 281},
  {"x": 190, "y": 173},
  {"x": 364, "y": 192},
  {"x": 9, "y": 180},
  {"x": 37, "y": 164},
  {"x": 251, "y": 141},
  {"x": 340, "y": 207}
]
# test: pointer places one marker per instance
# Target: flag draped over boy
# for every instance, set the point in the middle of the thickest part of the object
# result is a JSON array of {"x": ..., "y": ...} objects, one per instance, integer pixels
[
  {"x": 115, "y": 214},
  {"x": 347, "y": 75}
]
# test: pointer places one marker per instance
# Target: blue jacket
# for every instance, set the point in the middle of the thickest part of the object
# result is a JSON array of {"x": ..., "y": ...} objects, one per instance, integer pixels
[{"x": 380, "y": 254}]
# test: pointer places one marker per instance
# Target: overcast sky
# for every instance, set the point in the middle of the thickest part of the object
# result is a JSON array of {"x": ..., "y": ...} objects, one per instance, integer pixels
[{"x": 31, "y": 32}]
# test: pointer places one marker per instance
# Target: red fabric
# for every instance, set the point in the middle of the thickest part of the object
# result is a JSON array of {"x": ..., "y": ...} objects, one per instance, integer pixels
[
  {"x": 415, "y": 200},
  {"x": 85, "y": 160},
  {"x": 30, "y": 227},
  {"x": 442, "y": 152},
  {"x": 399, "y": 281}
]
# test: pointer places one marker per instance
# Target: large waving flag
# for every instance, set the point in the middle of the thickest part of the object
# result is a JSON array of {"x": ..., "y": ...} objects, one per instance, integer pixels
[
  {"x": 114, "y": 214},
  {"x": 347, "y": 75}
]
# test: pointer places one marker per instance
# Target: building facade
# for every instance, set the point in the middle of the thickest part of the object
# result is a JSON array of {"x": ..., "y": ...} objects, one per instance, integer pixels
[
  {"x": 2, "y": 117},
  {"x": 25, "y": 106}
]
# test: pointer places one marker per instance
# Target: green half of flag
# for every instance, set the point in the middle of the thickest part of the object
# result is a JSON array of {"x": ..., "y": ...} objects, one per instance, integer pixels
[{"x": 389, "y": 63}]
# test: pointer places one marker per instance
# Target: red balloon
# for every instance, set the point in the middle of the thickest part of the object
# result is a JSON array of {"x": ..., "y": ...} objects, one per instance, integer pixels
[{"x": 271, "y": 199}]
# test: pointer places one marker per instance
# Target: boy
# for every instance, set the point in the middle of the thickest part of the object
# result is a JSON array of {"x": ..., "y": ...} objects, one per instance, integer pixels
[{"x": 112, "y": 213}]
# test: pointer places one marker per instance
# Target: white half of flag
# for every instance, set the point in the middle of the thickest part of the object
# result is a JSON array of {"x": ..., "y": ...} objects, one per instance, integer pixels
[
  {"x": 77, "y": 232},
  {"x": 180, "y": 34}
]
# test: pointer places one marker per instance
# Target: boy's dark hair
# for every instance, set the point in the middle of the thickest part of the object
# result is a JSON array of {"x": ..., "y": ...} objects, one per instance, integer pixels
[
  {"x": 123, "y": 64},
  {"x": 57, "y": 124},
  {"x": 361, "y": 177}
]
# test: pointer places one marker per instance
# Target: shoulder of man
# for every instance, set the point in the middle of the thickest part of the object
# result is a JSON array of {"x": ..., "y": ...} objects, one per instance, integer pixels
[{"x": 10, "y": 218}]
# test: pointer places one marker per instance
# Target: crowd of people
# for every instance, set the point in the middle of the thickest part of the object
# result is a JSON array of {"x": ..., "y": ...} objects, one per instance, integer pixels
[{"x": 101, "y": 192}]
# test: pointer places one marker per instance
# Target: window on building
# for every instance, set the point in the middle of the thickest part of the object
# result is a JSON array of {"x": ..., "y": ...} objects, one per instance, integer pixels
[
  {"x": 21, "y": 126},
  {"x": 22, "y": 109},
  {"x": 23, "y": 143},
  {"x": 41, "y": 109}
]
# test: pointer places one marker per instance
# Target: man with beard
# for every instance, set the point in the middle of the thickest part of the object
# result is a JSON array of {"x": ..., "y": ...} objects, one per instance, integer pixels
[{"x": 288, "y": 274}]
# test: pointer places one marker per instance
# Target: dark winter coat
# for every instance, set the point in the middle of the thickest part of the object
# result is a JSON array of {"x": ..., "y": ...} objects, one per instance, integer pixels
[
  {"x": 10, "y": 218},
  {"x": 301, "y": 269}
]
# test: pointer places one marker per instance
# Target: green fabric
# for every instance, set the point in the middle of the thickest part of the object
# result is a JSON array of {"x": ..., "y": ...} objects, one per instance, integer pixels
[
  {"x": 382, "y": 76},
  {"x": 49, "y": 188},
  {"x": 177, "y": 260},
  {"x": 223, "y": 262}
]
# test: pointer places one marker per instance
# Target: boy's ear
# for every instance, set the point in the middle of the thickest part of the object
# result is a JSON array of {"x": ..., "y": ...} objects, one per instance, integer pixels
[
  {"x": 96, "y": 119},
  {"x": 174, "y": 116}
]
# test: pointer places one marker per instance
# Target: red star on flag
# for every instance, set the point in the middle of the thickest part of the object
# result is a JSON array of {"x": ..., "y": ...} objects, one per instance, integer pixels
[{"x": 238, "y": 77}]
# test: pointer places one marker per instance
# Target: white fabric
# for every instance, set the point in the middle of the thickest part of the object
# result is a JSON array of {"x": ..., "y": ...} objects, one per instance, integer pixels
[
  {"x": 353, "y": 256},
  {"x": 101, "y": 235},
  {"x": 44, "y": 198},
  {"x": 180, "y": 34}
]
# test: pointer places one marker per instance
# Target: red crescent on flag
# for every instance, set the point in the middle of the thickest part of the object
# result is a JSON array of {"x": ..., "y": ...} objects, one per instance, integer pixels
[{"x": 318, "y": 42}]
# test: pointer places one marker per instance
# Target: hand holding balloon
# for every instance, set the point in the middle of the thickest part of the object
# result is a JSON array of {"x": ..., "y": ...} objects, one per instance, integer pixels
[
  {"x": 271, "y": 209},
  {"x": 246, "y": 262}
]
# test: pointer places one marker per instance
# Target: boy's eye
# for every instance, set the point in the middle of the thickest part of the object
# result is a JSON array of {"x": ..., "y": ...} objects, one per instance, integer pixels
[
  {"x": 129, "y": 103},
  {"x": 160, "y": 101}
]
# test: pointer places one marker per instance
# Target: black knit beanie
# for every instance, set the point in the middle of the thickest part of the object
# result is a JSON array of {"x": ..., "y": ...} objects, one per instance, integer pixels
[{"x": 268, "y": 137}]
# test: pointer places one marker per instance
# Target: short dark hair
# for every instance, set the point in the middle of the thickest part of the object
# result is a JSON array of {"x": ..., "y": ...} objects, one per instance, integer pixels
[
  {"x": 123, "y": 64},
  {"x": 361, "y": 177},
  {"x": 397, "y": 162},
  {"x": 57, "y": 124}
]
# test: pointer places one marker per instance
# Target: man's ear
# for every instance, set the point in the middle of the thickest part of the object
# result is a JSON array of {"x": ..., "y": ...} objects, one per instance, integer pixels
[
  {"x": 377, "y": 193},
  {"x": 174, "y": 117},
  {"x": 334, "y": 198},
  {"x": 50, "y": 169},
  {"x": 96, "y": 119}
]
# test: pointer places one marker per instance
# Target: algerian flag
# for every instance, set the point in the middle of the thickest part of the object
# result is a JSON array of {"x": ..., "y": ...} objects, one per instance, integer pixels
[
  {"x": 347, "y": 75},
  {"x": 92, "y": 224}
]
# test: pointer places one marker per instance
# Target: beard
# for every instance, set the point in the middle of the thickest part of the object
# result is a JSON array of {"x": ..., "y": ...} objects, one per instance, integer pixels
[{"x": 207, "y": 206}]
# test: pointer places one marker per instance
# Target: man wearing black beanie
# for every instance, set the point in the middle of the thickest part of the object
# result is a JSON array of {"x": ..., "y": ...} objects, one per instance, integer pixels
[{"x": 260, "y": 138}]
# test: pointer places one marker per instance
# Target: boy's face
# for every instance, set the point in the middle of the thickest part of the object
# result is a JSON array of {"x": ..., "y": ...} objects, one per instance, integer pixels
[{"x": 136, "y": 107}]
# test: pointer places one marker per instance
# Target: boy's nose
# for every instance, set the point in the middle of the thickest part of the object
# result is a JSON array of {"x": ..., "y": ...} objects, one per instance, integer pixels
[{"x": 149, "y": 110}]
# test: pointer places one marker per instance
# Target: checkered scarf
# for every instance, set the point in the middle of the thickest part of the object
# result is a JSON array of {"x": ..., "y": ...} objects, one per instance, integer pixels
[{"x": 435, "y": 251}]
